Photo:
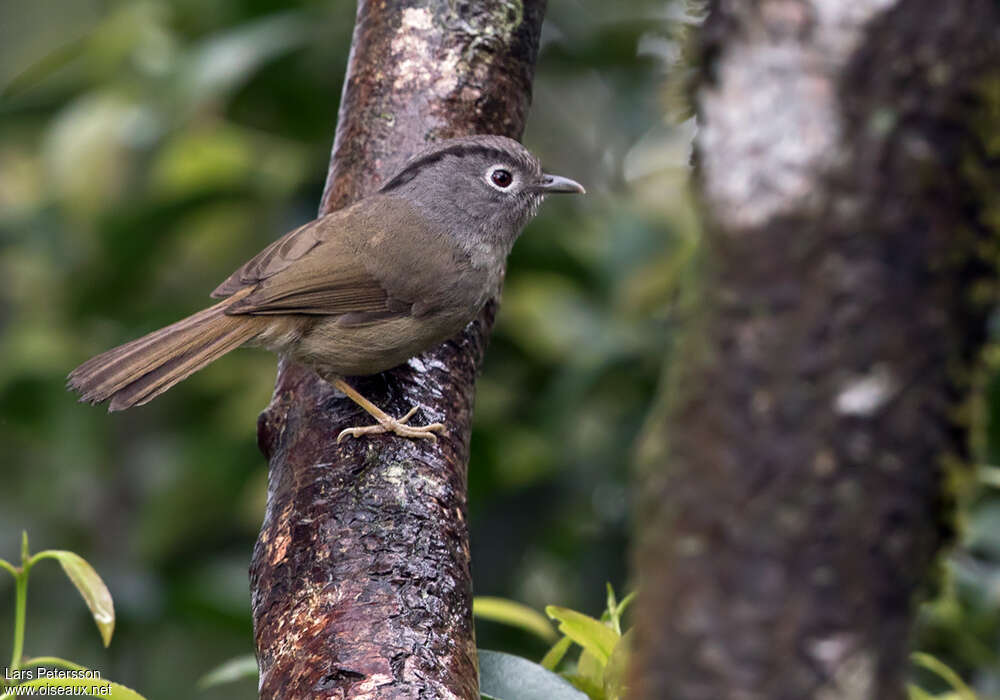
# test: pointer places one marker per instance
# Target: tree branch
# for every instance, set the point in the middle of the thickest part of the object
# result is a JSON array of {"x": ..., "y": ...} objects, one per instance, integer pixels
[
  {"x": 360, "y": 578},
  {"x": 793, "y": 500}
]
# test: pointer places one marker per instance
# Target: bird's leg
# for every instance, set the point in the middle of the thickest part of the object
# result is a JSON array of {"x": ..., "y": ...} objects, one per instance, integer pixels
[{"x": 386, "y": 423}]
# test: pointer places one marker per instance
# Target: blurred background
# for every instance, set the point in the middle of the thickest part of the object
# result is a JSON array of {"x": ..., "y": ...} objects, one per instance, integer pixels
[{"x": 149, "y": 147}]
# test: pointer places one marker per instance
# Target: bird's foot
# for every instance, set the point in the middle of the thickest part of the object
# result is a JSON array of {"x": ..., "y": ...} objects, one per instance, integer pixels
[{"x": 397, "y": 426}]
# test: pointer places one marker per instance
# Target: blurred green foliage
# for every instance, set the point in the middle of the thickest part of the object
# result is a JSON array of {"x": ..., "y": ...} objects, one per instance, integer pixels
[
  {"x": 961, "y": 626},
  {"x": 149, "y": 147},
  {"x": 591, "y": 653},
  {"x": 51, "y": 673}
]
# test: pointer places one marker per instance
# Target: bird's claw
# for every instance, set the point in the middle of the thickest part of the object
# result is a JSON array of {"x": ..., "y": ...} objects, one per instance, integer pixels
[{"x": 398, "y": 427}]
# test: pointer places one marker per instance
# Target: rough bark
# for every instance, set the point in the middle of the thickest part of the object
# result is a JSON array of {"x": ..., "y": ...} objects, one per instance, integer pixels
[
  {"x": 361, "y": 583},
  {"x": 792, "y": 501}
]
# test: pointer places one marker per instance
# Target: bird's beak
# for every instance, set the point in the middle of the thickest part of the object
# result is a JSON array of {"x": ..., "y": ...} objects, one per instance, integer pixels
[{"x": 558, "y": 183}]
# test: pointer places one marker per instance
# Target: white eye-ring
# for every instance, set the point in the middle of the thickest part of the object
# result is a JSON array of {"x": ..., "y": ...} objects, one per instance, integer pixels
[{"x": 499, "y": 178}]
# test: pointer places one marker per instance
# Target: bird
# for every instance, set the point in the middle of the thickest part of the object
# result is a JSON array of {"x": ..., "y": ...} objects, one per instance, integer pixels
[{"x": 359, "y": 290}]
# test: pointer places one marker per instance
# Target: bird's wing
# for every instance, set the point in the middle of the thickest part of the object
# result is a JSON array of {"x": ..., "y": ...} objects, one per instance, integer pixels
[
  {"x": 273, "y": 259},
  {"x": 339, "y": 265}
]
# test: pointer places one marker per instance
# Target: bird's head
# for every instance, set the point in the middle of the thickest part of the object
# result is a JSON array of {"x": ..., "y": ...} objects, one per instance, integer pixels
[{"x": 482, "y": 188}]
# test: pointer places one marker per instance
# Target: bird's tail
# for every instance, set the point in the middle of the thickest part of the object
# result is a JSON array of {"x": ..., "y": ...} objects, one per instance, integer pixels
[{"x": 139, "y": 371}]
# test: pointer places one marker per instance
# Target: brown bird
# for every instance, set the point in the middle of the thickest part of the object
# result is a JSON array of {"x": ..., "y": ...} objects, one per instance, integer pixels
[{"x": 360, "y": 290}]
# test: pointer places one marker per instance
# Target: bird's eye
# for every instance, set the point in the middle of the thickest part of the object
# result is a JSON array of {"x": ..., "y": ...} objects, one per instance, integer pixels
[{"x": 501, "y": 178}]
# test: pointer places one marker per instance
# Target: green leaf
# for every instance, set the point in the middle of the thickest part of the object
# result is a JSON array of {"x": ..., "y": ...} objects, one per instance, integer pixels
[
  {"x": 515, "y": 614},
  {"x": 555, "y": 655},
  {"x": 616, "y": 610},
  {"x": 95, "y": 594},
  {"x": 612, "y": 609},
  {"x": 591, "y": 668},
  {"x": 508, "y": 677},
  {"x": 625, "y": 602},
  {"x": 97, "y": 687},
  {"x": 938, "y": 667},
  {"x": 585, "y": 685},
  {"x": 616, "y": 672},
  {"x": 51, "y": 661},
  {"x": 916, "y": 693},
  {"x": 236, "y": 669},
  {"x": 592, "y": 635},
  {"x": 6, "y": 565}
]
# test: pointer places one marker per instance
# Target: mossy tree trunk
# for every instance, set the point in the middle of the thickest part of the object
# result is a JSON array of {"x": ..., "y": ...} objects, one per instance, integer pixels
[
  {"x": 792, "y": 497},
  {"x": 361, "y": 584}
]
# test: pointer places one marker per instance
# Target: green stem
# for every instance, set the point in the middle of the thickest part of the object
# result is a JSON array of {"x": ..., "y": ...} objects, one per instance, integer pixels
[
  {"x": 20, "y": 602},
  {"x": 20, "y": 609}
]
